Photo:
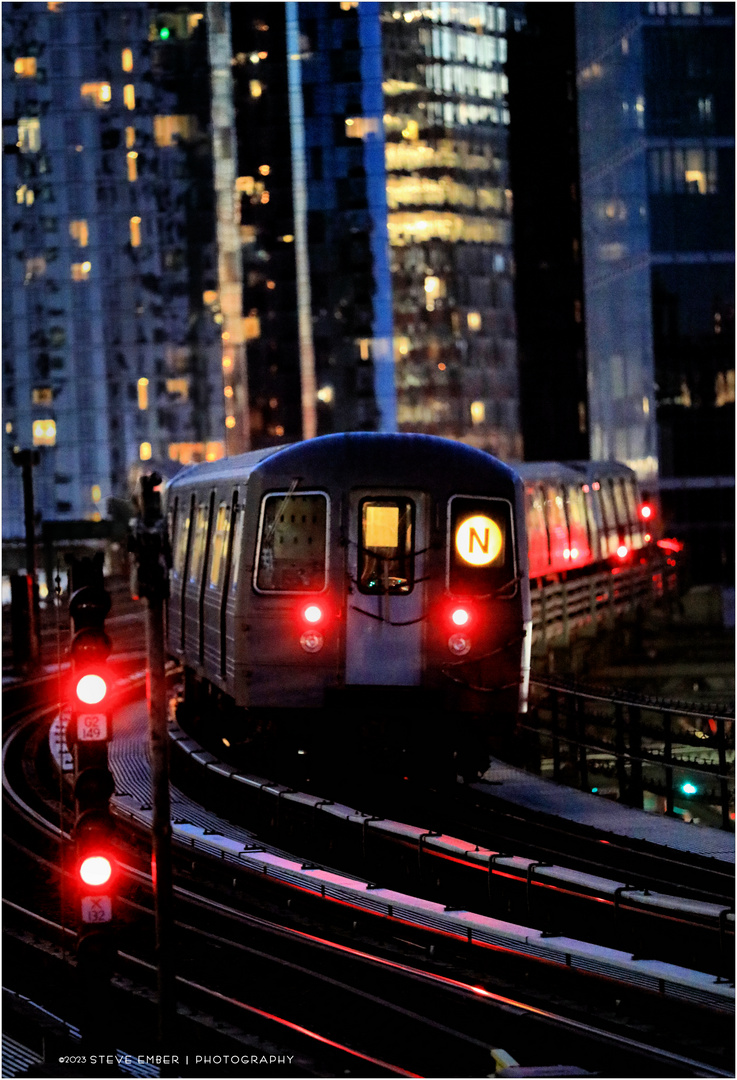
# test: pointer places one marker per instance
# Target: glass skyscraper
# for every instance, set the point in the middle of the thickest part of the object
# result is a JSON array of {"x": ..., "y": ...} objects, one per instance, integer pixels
[
  {"x": 656, "y": 126},
  {"x": 112, "y": 323}
]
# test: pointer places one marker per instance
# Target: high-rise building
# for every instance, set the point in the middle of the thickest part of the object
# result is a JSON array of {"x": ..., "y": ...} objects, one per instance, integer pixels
[
  {"x": 544, "y": 168},
  {"x": 376, "y": 219},
  {"x": 656, "y": 135},
  {"x": 112, "y": 321}
]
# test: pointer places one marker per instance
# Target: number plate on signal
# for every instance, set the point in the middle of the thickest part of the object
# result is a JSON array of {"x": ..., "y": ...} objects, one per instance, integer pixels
[
  {"x": 97, "y": 909},
  {"x": 92, "y": 727}
]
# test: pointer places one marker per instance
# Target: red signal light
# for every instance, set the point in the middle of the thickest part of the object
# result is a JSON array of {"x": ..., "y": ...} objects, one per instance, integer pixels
[
  {"x": 95, "y": 870},
  {"x": 91, "y": 689},
  {"x": 460, "y": 616},
  {"x": 622, "y": 551},
  {"x": 646, "y": 511},
  {"x": 312, "y": 614}
]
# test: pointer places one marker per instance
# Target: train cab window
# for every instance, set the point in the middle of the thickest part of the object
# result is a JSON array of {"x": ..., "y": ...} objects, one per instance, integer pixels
[
  {"x": 219, "y": 545},
  {"x": 480, "y": 547},
  {"x": 292, "y": 543},
  {"x": 386, "y": 551},
  {"x": 199, "y": 543}
]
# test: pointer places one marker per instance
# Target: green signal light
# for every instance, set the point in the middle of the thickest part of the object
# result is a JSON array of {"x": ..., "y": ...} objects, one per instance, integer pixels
[
  {"x": 688, "y": 788},
  {"x": 164, "y": 33}
]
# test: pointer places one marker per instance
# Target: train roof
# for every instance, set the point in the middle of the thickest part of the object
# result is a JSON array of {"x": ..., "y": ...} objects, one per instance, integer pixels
[
  {"x": 571, "y": 471},
  {"x": 339, "y": 453}
]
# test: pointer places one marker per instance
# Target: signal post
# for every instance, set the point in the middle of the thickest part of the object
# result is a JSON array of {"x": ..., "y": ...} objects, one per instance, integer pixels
[
  {"x": 149, "y": 542},
  {"x": 88, "y": 731}
]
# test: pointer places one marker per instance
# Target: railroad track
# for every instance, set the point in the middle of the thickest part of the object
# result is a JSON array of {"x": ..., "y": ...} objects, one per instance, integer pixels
[{"x": 587, "y": 1038}]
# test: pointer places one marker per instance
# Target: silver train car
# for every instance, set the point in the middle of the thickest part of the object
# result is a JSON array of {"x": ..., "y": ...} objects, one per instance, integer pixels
[{"x": 352, "y": 590}]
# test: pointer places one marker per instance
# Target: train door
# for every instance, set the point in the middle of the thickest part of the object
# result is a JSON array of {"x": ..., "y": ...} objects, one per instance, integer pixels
[{"x": 384, "y": 632}]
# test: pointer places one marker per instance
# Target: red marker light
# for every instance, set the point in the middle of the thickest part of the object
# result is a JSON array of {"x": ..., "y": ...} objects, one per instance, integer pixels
[
  {"x": 91, "y": 689},
  {"x": 460, "y": 617},
  {"x": 95, "y": 870},
  {"x": 622, "y": 551},
  {"x": 646, "y": 511},
  {"x": 312, "y": 614}
]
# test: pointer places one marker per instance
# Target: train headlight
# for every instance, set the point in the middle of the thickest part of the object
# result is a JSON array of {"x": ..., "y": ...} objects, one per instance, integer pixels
[
  {"x": 459, "y": 644},
  {"x": 312, "y": 641},
  {"x": 460, "y": 616}
]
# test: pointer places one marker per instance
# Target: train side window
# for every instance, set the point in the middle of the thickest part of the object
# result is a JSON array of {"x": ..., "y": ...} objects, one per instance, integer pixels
[
  {"x": 219, "y": 545},
  {"x": 537, "y": 533},
  {"x": 236, "y": 545},
  {"x": 480, "y": 547},
  {"x": 577, "y": 525},
  {"x": 180, "y": 542},
  {"x": 292, "y": 544},
  {"x": 621, "y": 507},
  {"x": 386, "y": 551},
  {"x": 199, "y": 543}
]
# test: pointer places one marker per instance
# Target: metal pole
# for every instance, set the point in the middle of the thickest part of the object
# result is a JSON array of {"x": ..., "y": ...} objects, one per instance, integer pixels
[
  {"x": 150, "y": 543},
  {"x": 161, "y": 863}
]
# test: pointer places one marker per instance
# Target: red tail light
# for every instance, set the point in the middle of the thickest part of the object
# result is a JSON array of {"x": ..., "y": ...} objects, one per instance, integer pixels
[
  {"x": 622, "y": 551},
  {"x": 460, "y": 616},
  {"x": 312, "y": 614},
  {"x": 646, "y": 511}
]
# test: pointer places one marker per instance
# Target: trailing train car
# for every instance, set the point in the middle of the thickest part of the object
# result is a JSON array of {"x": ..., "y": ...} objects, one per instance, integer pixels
[
  {"x": 354, "y": 588},
  {"x": 582, "y": 514}
]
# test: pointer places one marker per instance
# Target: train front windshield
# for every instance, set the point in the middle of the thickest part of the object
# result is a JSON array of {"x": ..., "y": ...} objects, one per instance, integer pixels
[{"x": 386, "y": 562}]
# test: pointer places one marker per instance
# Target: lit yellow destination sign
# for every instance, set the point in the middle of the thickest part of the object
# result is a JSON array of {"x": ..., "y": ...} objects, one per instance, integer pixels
[{"x": 478, "y": 540}]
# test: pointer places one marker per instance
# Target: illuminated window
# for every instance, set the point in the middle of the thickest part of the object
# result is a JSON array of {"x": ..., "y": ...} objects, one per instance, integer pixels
[
  {"x": 126, "y": 60},
  {"x": 135, "y": 230},
  {"x": 132, "y": 160},
  {"x": 434, "y": 289},
  {"x": 166, "y": 128},
  {"x": 143, "y": 393},
  {"x": 264, "y": 170},
  {"x": 99, "y": 93},
  {"x": 358, "y": 127},
  {"x": 251, "y": 327},
  {"x": 228, "y": 391},
  {"x": 255, "y": 88},
  {"x": 9, "y": 428},
  {"x": 193, "y": 21},
  {"x": 26, "y": 195},
  {"x": 78, "y": 231},
  {"x": 473, "y": 318},
  {"x": 25, "y": 67},
  {"x": 129, "y": 96},
  {"x": 230, "y": 421},
  {"x": 130, "y": 137},
  {"x": 29, "y": 134},
  {"x": 35, "y": 268},
  {"x": 478, "y": 412},
  {"x": 145, "y": 451},
  {"x": 42, "y": 395},
  {"x": 178, "y": 388},
  {"x": 265, "y": 197},
  {"x": 96, "y": 493},
  {"x": 219, "y": 544},
  {"x": 209, "y": 297},
  {"x": 81, "y": 271},
  {"x": 346, "y": 5},
  {"x": 245, "y": 184},
  {"x": 44, "y": 432},
  {"x": 325, "y": 394},
  {"x": 187, "y": 453},
  {"x": 54, "y": 5}
]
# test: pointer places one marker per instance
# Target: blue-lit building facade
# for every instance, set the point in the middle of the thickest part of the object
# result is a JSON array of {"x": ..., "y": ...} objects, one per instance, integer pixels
[
  {"x": 376, "y": 219},
  {"x": 656, "y": 133},
  {"x": 111, "y": 341}
]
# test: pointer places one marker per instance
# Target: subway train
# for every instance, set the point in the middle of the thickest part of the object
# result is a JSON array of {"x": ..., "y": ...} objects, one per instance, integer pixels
[{"x": 366, "y": 594}]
